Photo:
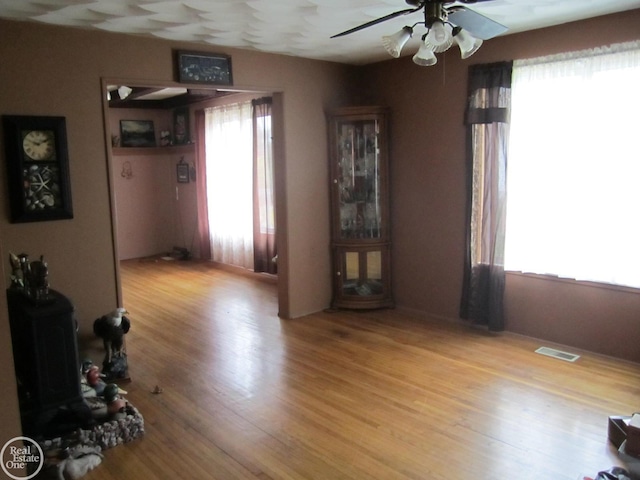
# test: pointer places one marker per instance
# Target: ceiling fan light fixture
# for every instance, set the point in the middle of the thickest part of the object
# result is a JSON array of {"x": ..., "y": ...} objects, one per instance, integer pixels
[
  {"x": 468, "y": 43},
  {"x": 425, "y": 56},
  {"x": 439, "y": 37},
  {"x": 394, "y": 43},
  {"x": 124, "y": 91},
  {"x": 444, "y": 25}
]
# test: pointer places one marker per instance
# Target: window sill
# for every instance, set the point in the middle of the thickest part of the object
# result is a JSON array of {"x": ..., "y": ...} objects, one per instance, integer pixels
[{"x": 571, "y": 281}]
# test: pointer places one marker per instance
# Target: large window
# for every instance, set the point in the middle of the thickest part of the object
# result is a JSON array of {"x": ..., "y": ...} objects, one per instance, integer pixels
[{"x": 573, "y": 180}]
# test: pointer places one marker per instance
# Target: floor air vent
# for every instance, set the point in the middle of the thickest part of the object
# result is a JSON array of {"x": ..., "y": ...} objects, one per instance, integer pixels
[{"x": 552, "y": 352}]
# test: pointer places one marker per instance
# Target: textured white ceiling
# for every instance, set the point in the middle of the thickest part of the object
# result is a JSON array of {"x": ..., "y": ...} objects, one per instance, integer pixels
[{"x": 293, "y": 27}]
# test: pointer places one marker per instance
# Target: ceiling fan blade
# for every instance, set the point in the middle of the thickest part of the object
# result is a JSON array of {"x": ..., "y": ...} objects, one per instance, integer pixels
[
  {"x": 476, "y": 24},
  {"x": 378, "y": 20}
]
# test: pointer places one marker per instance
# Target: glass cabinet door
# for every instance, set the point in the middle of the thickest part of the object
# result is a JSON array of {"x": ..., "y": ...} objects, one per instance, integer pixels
[
  {"x": 359, "y": 183},
  {"x": 358, "y": 180},
  {"x": 362, "y": 275}
]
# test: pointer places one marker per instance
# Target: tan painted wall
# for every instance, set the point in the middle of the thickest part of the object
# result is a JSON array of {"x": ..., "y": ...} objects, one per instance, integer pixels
[
  {"x": 146, "y": 204},
  {"x": 428, "y": 195},
  {"x": 148, "y": 215},
  {"x": 57, "y": 71}
]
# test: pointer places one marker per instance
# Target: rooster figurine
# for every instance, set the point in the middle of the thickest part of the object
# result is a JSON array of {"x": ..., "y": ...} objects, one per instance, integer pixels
[{"x": 111, "y": 328}]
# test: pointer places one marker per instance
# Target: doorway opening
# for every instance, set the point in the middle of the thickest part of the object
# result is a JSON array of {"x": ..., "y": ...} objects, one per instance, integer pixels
[{"x": 153, "y": 166}]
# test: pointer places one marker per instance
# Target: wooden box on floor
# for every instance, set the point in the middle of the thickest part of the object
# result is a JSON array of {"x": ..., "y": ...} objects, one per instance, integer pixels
[
  {"x": 617, "y": 429},
  {"x": 633, "y": 436}
]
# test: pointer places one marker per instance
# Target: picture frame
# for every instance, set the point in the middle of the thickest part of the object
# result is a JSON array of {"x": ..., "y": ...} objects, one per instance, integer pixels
[
  {"x": 181, "y": 134},
  {"x": 37, "y": 161},
  {"x": 137, "y": 133},
  {"x": 182, "y": 172},
  {"x": 205, "y": 68}
]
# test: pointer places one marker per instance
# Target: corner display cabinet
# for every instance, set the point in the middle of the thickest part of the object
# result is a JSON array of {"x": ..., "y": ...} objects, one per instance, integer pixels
[{"x": 360, "y": 233}]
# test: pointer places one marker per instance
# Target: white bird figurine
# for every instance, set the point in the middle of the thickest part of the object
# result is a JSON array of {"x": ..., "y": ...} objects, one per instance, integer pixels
[{"x": 111, "y": 328}]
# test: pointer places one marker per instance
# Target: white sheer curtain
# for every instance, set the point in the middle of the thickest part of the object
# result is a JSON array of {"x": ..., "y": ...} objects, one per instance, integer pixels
[
  {"x": 229, "y": 158},
  {"x": 574, "y": 166}
]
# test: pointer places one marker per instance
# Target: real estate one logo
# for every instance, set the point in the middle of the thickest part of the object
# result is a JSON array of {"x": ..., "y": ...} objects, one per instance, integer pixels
[{"x": 20, "y": 455}]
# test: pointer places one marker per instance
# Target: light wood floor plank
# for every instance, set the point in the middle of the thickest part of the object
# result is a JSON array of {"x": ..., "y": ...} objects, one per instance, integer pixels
[{"x": 347, "y": 395}]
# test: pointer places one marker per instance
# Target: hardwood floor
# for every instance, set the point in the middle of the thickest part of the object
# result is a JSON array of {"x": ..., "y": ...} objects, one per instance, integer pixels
[{"x": 347, "y": 395}]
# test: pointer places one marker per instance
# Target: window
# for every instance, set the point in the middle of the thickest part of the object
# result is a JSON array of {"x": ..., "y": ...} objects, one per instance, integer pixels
[
  {"x": 573, "y": 177},
  {"x": 229, "y": 164}
]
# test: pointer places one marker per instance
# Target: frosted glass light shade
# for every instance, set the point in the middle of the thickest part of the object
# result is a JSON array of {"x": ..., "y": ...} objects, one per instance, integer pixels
[
  {"x": 425, "y": 56},
  {"x": 468, "y": 44},
  {"x": 394, "y": 43},
  {"x": 124, "y": 91},
  {"x": 439, "y": 37}
]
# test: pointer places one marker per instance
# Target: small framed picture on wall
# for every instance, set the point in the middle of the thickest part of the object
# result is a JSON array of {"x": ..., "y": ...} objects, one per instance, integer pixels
[
  {"x": 203, "y": 67},
  {"x": 182, "y": 172},
  {"x": 181, "y": 135},
  {"x": 137, "y": 133}
]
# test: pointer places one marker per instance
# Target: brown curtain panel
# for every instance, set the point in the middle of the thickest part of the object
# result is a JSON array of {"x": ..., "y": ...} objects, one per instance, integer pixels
[
  {"x": 204, "y": 236},
  {"x": 264, "y": 227},
  {"x": 487, "y": 122}
]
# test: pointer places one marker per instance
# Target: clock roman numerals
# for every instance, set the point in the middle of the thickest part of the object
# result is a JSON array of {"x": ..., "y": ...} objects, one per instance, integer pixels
[{"x": 39, "y": 145}]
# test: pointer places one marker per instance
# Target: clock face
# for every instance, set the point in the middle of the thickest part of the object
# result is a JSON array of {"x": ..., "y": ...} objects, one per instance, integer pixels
[{"x": 39, "y": 145}]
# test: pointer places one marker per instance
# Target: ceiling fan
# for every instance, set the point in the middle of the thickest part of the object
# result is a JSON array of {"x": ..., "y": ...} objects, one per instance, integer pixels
[{"x": 445, "y": 22}]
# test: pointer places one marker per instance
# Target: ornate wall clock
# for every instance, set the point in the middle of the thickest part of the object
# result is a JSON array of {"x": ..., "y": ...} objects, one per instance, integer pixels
[{"x": 38, "y": 168}]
